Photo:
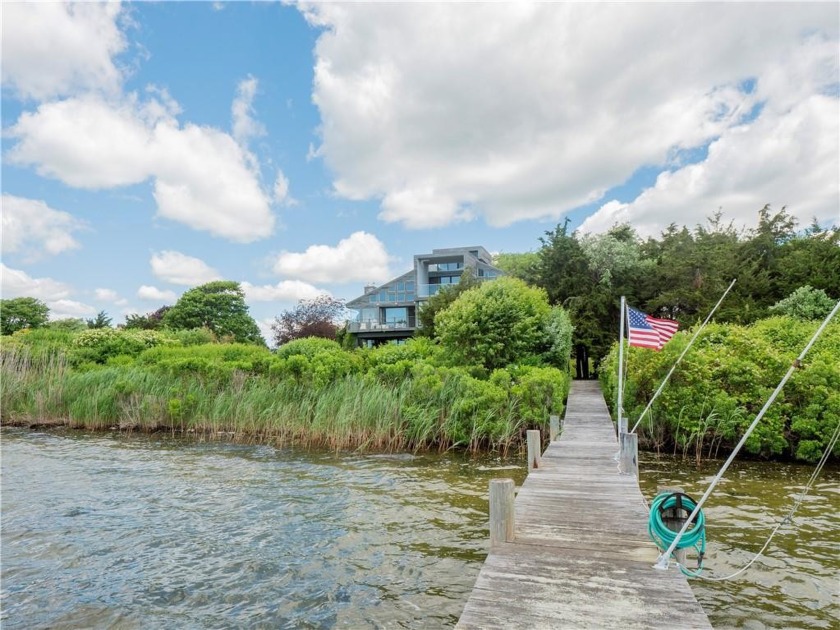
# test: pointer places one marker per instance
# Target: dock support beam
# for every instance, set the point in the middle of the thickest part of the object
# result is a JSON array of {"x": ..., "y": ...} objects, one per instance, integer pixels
[
  {"x": 553, "y": 427},
  {"x": 501, "y": 511},
  {"x": 534, "y": 449},
  {"x": 628, "y": 454}
]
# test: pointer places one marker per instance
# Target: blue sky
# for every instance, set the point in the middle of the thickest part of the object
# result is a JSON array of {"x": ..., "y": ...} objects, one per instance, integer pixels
[{"x": 302, "y": 149}]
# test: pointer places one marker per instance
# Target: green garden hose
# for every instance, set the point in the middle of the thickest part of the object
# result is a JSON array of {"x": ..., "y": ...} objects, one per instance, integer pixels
[{"x": 663, "y": 537}]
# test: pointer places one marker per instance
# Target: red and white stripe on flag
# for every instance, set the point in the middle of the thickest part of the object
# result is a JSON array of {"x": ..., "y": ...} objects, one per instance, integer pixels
[{"x": 645, "y": 331}]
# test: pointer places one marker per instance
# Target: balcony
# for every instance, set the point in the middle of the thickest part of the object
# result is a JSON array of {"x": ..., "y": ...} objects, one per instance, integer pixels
[{"x": 376, "y": 326}]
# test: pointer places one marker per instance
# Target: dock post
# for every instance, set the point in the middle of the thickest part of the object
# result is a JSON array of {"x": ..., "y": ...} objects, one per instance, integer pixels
[
  {"x": 674, "y": 518},
  {"x": 621, "y": 426},
  {"x": 501, "y": 511},
  {"x": 553, "y": 427},
  {"x": 628, "y": 458},
  {"x": 534, "y": 449}
]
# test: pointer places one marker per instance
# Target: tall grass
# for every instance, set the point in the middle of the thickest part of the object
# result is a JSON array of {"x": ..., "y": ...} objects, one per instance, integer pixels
[{"x": 356, "y": 411}]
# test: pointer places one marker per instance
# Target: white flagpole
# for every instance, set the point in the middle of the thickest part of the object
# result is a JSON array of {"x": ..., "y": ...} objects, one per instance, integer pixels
[
  {"x": 677, "y": 362},
  {"x": 619, "y": 402}
]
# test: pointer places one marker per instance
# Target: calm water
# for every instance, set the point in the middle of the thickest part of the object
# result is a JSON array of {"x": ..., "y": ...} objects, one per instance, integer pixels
[{"x": 135, "y": 532}]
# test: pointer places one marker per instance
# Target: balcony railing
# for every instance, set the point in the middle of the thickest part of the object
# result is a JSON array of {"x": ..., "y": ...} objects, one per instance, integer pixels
[{"x": 376, "y": 326}]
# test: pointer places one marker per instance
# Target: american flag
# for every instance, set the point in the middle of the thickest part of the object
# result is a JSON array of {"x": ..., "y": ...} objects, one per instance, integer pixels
[{"x": 645, "y": 331}]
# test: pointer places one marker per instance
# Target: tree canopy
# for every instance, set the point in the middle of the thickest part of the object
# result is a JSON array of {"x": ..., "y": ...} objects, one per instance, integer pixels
[
  {"x": 495, "y": 324},
  {"x": 23, "y": 312},
  {"x": 683, "y": 273},
  {"x": 310, "y": 318},
  {"x": 220, "y": 307}
]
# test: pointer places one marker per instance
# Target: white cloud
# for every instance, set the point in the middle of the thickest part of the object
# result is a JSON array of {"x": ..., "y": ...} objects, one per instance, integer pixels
[
  {"x": 57, "y": 48},
  {"x": 281, "y": 190},
  {"x": 17, "y": 283},
  {"x": 178, "y": 268},
  {"x": 109, "y": 295},
  {"x": 286, "y": 291},
  {"x": 153, "y": 294},
  {"x": 527, "y": 110},
  {"x": 788, "y": 156},
  {"x": 63, "y": 309},
  {"x": 245, "y": 126},
  {"x": 32, "y": 228},
  {"x": 202, "y": 177},
  {"x": 359, "y": 257}
]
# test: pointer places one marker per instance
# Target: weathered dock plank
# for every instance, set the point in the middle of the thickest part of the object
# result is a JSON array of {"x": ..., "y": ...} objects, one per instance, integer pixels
[{"x": 581, "y": 557}]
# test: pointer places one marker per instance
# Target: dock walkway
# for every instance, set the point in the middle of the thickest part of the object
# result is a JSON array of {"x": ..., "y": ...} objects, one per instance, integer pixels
[{"x": 581, "y": 557}]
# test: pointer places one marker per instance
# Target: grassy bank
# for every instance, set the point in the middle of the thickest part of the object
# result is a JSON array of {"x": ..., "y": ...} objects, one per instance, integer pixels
[{"x": 310, "y": 393}]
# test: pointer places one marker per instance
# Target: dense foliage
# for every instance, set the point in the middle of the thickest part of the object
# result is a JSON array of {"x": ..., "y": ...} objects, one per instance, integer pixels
[
  {"x": 309, "y": 391},
  {"x": 219, "y": 306},
  {"x": 310, "y": 318},
  {"x": 682, "y": 273},
  {"x": 495, "y": 324},
  {"x": 23, "y": 312},
  {"x": 723, "y": 382}
]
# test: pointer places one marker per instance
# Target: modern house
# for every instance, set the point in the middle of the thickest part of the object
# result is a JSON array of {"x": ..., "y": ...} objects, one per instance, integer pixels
[{"x": 389, "y": 312}]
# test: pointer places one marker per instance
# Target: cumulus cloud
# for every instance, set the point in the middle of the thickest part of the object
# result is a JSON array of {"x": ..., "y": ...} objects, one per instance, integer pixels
[
  {"x": 153, "y": 294},
  {"x": 17, "y": 283},
  {"x": 518, "y": 111},
  {"x": 788, "y": 156},
  {"x": 109, "y": 295},
  {"x": 359, "y": 257},
  {"x": 58, "y": 48},
  {"x": 286, "y": 291},
  {"x": 33, "y": 229},
  {"x": 178, "y": 268},
  {"x": 202, "y": 177},
  {"x": 63, "y": 309}
]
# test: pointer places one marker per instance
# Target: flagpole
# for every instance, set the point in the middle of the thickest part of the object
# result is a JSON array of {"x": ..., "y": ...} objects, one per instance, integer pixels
[
  {"x": 619, "y": 402},
  {"x": 677, "y": 362}
]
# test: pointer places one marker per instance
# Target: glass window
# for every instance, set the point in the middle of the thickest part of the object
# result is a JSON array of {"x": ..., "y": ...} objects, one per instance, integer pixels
[
  {"x": 396, "y": 315},
  {"x": 409, "y": 286},
  {"x": 400, "y": 286}
]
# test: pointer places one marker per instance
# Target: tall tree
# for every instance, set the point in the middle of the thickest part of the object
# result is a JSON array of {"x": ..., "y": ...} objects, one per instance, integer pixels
[
  {"x": 100, "y": 321},
  {"x": 219, "y": 306},
  {"x": 23, "y": 312},
  {"x": 310, "y": 318},
  {"x": 149, "y": 321}
]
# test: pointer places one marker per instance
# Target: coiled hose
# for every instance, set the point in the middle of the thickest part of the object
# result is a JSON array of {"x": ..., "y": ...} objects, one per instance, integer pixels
[{"x": 662, "y": 536}]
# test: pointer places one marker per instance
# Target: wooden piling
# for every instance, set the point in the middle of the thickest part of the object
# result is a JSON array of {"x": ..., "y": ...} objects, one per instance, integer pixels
[
  {"x": 628, "y": 458},
  {"x": 553, "y": 428},
  {"x": 501, "y": 511},
  {"x": 534, "y": 449}
]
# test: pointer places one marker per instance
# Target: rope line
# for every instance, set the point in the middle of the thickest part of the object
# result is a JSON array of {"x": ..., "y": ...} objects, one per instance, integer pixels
[
  {"x": 788, "y": 517},
  {"x": 662, "y": 563}
]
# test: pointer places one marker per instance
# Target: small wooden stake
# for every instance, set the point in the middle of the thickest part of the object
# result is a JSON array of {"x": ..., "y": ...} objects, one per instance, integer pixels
[
  {"x": 501, "y": 511},
  {"x": 553, "y": 427},
  {"x": 534, "y": 449}
]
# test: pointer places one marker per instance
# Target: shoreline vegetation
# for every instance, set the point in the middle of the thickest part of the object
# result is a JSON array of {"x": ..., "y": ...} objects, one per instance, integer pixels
[{"x": 314, "y": 394}]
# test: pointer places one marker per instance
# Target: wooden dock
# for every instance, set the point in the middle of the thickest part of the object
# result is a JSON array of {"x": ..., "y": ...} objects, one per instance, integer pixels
[{"x": 581, "y": 557}]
